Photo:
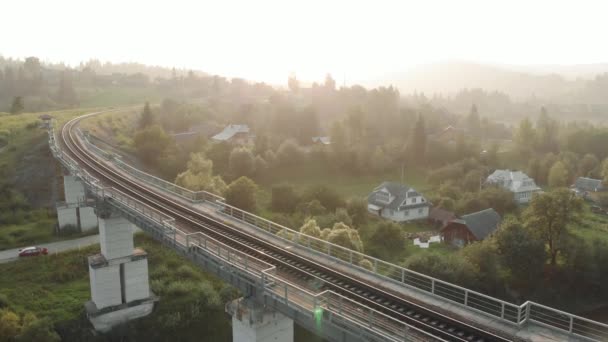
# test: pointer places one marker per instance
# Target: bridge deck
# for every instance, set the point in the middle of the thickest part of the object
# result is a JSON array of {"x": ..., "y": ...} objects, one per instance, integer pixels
[{"x": 529, "y": 331}]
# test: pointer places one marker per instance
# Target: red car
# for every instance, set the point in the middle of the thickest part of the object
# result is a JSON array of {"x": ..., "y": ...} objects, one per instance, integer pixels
[{"x": 32, "y": 251}]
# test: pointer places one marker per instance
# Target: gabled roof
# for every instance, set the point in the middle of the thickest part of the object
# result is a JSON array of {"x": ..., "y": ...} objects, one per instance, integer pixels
[
  {"x": 399, "y": 192},
  {"x": 322, "y": 140},
  {"x": 514, "y": 181},
  {"x": 230, "y": 131},
  {"x": 589, "y": 184},
  {"x": 482, "y": 223}
]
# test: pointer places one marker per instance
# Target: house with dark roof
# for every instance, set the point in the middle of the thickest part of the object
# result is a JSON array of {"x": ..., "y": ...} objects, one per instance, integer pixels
[
  {"x": 471, "y": 227},
  {"x": 397, "y": 202},
  {"x": 584, "y": 184}
]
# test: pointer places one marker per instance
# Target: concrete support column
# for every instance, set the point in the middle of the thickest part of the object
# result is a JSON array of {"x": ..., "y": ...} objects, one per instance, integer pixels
[
  {"x": 74, "y": 212},
  {"x": 251, "y": 322},
  {"x": 120, "y": 289}
]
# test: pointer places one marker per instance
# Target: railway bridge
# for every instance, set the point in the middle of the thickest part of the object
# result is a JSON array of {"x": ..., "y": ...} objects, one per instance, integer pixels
[{"x": 285, "y": 278}]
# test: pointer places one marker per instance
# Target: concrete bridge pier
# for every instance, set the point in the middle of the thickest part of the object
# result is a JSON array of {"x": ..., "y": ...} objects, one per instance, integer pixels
[
  {"x": 75, "y": 212},
  {"x": 120, "y": 289},
  {"x": 252, "y": 322}
]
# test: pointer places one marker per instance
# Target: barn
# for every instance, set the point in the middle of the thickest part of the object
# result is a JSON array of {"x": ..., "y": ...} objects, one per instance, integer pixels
[{"x": 471, "y": 227}]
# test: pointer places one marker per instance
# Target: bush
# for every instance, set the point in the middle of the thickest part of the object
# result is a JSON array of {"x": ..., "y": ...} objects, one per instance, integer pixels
[
  {"x": 328, "y": 197},
  {"x": 284, "y": 198}
]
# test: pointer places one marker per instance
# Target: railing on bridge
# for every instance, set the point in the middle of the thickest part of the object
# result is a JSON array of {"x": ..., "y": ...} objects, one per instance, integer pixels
[{"x": 494, "y": 307}]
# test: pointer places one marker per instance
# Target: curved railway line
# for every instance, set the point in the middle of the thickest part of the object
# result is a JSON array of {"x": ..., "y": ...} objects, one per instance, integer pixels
[{"x": 296, "y": 268}]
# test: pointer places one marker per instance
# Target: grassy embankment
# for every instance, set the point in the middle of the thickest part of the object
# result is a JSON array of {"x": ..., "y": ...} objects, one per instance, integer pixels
[{"x": 28, "y": 169}]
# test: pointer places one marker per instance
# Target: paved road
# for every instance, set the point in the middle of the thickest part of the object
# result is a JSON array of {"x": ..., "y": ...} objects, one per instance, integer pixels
[{"x": 53, "y": 247}]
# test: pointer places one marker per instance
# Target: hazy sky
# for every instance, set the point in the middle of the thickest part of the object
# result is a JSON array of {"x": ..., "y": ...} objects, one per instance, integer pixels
[{"x": 266, "y": 40}]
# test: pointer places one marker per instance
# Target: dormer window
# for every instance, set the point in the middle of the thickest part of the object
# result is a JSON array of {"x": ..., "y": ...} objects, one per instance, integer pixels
[
  {"x": 414, "y": 200},
  {"x": 382, "y": 196}
]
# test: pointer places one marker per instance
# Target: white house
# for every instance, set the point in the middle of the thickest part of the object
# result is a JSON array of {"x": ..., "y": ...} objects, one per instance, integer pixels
[
  {"x": 519, "y": 183},
  {"x": 397, "y": 202},
  {"x": 239, "y": 134}
]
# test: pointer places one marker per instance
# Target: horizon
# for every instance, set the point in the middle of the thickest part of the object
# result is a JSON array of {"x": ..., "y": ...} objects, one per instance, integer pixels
[{"x": 268, "y": 42}]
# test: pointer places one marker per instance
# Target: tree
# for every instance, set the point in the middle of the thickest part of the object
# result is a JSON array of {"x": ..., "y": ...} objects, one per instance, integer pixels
[
  {"x": 241, "y": 162},
  {"x": 328, "y": 197},
  {"x": 549, "y": 215},
  {"x": 605, "y": 171},
  {"x": 241, "y": 194},
  {"x": 521, "y": 252},
  {"x": 388, "y": 238},
  {"x": 558, "y": 175},
  {"x": 17, "y": 106},
  {"x": 284, "y": 198},
  {"x": 587, "y": 165},
  {"x": 499, "y": 199},
  {"x": 290, "y": 153},
  {"x": 416, "y": 149},
  {"x": 66, "y": 93},
  {"x": 345, "y": 236},
  {"x": 198, "y": 176},
  {"x": 9, "y": 325},
  {"x": 357, "y": 210},
  {"x": 151, "y": 143},
  {"x": 547, "y": 129},
  {"x": 379, "y": 161},
  {"x": 293, "y": 83},
  {"x": 473, "y": 122},
  {"x": 525, "y": 137},
  {"x": 147, "y": 118},
  {"x": 311, "y": 228},
  {"x": 472, "y": 181}
]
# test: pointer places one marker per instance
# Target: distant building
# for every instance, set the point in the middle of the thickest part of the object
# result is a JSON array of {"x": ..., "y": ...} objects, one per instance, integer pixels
[
  {"x": 584, "y": 184},
  {"x": 46, "y": 120},
  {"x": 397, "y": 202},
  {"x": 522, "y": 186},
  {"x": 321, "y": 140},
  {"x": 470, "y": 228},
  {"x": 449, "y": 135},
  {"x": 236, "y": 134}
]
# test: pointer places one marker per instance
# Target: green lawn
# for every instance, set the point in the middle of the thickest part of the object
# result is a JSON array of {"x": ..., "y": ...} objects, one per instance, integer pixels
[{"x": 347, "y": 185}]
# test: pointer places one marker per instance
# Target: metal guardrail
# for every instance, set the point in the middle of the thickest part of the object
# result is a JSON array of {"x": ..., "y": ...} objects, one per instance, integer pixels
[{"x": 494, "y": 307}]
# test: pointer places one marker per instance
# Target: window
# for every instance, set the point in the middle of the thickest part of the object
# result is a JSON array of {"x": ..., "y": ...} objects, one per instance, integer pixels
[
  {"x": 420, "y": 211},
  {"x": 406, "y": 213},
  {"x": 414, "y": 200},
  {"x": 382, "y": 196}
]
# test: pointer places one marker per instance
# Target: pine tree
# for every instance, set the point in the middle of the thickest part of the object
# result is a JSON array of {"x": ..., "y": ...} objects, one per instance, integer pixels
[
  {"x": 17, "y": 106},
  {"x": 147, "y": 119}
]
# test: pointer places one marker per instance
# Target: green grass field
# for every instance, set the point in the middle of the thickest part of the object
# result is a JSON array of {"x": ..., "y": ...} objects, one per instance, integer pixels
[{"x": 345, "y": 184}]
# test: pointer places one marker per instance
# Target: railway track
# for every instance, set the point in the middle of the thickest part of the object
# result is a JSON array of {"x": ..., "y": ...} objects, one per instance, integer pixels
[{"x": 304, "y": 272}]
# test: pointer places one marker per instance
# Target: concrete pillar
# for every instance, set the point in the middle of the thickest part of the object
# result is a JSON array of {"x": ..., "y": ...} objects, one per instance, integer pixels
[
  {"x": 67, "y": 216},
  {"x": 73, "y": 189},
  {"x": 251, "y": 322},
  {"x": 88, "y": 218},
  {"x": 120, "y": 289},
  {"x": 115, "y": 237}
]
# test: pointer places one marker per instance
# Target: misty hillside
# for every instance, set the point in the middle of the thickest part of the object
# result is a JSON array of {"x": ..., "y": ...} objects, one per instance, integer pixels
[{"x": 519, "y": 83}]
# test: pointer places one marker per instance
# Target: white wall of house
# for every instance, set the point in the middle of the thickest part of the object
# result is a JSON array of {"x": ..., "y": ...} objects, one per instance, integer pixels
[
  {"x": 523, "y": 197},
  {"x": 406, "y": 215}
]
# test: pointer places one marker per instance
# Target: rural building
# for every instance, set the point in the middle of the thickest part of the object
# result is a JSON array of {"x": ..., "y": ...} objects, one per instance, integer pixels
[
  {"x": 440, "y": 217},
  {"x": 321, "y": 140},
  {"x": 236, "y": 134},
  {"x": 397, "y": 202},
  {"x": 470, "y": 228},
  {"x": 449, "y": 135},
  {"x": 584, "y": 184},
  {"x": 522, "y": 186}
]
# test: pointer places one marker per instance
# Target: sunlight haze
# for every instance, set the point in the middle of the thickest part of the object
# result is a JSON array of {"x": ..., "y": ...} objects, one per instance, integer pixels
[{"x": 268, "y": 40}]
